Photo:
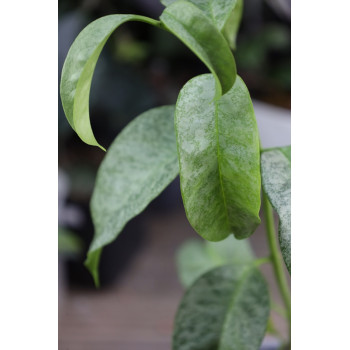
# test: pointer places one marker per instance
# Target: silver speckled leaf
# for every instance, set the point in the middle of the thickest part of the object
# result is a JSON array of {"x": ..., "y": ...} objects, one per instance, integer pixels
[
  {"x": 138, "y": 166},
  {"x": 276, "y": 181},
  {"x": 219, "y": 156},
  {"x": 225, "y": 309}
]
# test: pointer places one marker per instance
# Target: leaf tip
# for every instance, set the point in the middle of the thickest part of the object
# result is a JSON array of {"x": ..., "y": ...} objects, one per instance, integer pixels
[
  {"x": 103, "y": 149},
  {"x": 91, "y": 263}
]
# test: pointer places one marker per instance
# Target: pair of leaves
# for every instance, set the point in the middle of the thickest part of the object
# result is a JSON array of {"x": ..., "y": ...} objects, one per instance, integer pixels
[
  {"x": 276, "y": 181},
  {"x": 224, "y": 14},
  {"x": 182, "y": 18}
]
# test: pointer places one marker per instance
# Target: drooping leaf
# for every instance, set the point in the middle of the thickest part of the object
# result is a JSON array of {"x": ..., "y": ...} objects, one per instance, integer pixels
[
  {"x": 276, "y": 181},
  {"x": 138, "y": 166},
  {"x": 219, "y": 157},
  {"x": 224, "y": 14},
  {"x": 79, "y": 68},
  {"x": 195, "y": 257},
  {"x": 225, "y": 309},
  {"x": 194, "y": 29}
]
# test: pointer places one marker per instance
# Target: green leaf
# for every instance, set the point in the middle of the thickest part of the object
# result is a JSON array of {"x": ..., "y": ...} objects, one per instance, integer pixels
[
  {"x": 219, "y": 156},
  {"x": 195, "y": 257},
  {"x": 276, "y": 181},
  {"x": 138, "y": 166},
  {"x": 225, "y": 309},
  {"x": 224, "y": 14},
  {"x": 79, "y": 68},
  {"x": 194, "y": 29},
  {"x": 231, "y": 27}
]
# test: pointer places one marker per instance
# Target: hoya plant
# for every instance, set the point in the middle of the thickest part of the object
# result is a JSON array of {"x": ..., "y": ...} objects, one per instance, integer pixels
[{"x": 210, "y": 139}]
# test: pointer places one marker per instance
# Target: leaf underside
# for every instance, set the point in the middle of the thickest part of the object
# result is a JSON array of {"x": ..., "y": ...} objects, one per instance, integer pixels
[
  {"x": 195, "y": 257},
  {"x": 194, "y": 29},
  {"x": 138, "y": 166},
  {"x": 276, "y": 181},
  {"x": 224, "y": 14},
  {"x": 227, "y": 308},
  {"x": 219, "y": 157}
]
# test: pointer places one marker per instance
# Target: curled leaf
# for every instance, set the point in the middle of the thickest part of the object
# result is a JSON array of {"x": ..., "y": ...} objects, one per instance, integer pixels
[
  {"x": 79, "y": 68},
  {"x": 194, "y": 29},
  {"x": 224, "y": 14}
]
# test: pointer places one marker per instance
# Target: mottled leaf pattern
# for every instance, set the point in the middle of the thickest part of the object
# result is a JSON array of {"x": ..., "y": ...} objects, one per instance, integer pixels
[
  {"x": 140, "y": 163},
  {"x": 225, "y": 15},
  {"x": 227, "y": 308},
  {"x": 79, "y": 68},
  {"x": 219, "y": 156},
  {"x": 276, "y": 181},
  {"x": 195, "y": 30},
  {"x": 196, "y": 257}
]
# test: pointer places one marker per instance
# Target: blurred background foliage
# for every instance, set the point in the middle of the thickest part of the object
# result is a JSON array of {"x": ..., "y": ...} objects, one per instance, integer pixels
[{"x": 142, "y": 67}]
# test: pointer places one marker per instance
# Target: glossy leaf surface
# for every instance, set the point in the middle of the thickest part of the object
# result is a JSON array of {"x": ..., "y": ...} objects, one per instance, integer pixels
[
  {"x": 79, "y": 68},
  {"x": 219, "y": 157},
  {"x": 276, "y": 181},
  {"x": 194, "y": 258},
  {"x": 225, "y": 309},
  {"x": 224, "y": 14},
  {"x": 138, "y": 166},
  {"x": 194, "y": 29}
]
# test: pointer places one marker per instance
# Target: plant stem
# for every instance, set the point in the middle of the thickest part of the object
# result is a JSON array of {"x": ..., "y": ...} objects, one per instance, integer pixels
[{"x": 276, "y": 256}]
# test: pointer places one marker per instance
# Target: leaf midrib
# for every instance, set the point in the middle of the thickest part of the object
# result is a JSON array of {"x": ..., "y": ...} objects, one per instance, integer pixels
[
  {"x": 231, "y": 306},
  {"x": 219, "y": 162}
]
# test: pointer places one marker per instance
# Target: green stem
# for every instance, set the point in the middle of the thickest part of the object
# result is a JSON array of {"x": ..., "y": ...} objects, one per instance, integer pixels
[{"x": 276, "y": 257}]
